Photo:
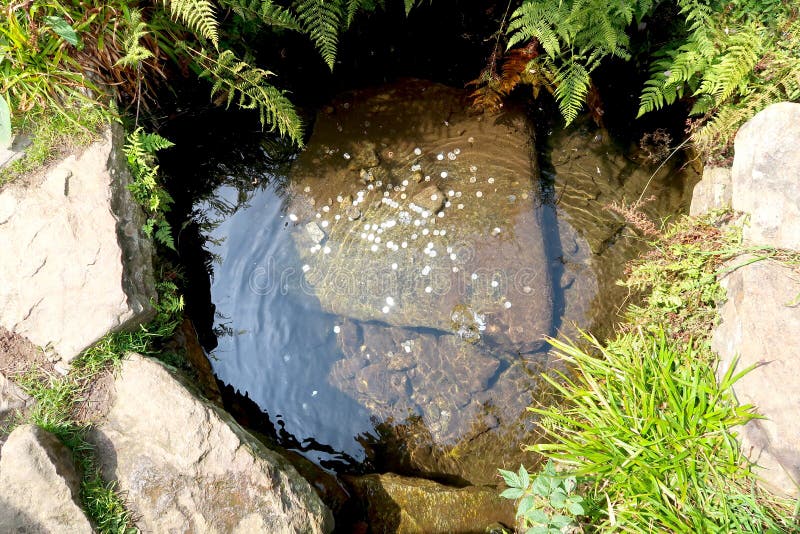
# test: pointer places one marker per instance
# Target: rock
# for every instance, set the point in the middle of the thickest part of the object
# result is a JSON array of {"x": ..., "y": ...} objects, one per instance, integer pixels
[
  {"x": 39, "y": 485},
  {"x": 765, "y": 170},
  {"x": 185, "y": 465},
  {"x": 316, "y": 233},
  {"x": 712, "y": 192},
  {"x": 405, "y": 505},
  {"x": 759, "y": 321},
  {"x": 75, "y": 262},
  {"x": 430, "y": 198},
  {"x": 485, "y": 193},
  {"x": 16, "y": 151}
]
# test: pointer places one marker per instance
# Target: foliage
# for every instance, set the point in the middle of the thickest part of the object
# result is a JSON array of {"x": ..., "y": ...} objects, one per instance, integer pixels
[
  {"x": 575, "y": 36},
  {"x": 547, "y": 503},
  {"x": 734, "y": 60},
  {"x": 52, "y": 135},
  {"x": 146, "y": 189},
  {"x": 59, "y": 401},
  {"x": 646, "y": 418}
]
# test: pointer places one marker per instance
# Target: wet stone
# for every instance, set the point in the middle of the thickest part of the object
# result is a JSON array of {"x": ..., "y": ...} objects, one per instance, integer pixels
[
  {"x": 316, "y": 233},
  {"x": 478, "y": 231}
]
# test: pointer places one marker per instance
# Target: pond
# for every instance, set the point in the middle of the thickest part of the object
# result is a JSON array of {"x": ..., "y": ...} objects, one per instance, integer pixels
[{"x": 386, "y": 297}]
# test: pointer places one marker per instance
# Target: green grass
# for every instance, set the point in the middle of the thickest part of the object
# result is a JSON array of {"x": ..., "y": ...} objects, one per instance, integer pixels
[
  {"x": 58, "y": 399},
  {"x": 646, "y": 419},
  {"x": 52, "y": 135}
]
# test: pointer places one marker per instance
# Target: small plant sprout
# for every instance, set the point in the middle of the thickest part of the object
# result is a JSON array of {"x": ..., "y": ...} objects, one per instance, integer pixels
[{"x": 547, "y": 503}]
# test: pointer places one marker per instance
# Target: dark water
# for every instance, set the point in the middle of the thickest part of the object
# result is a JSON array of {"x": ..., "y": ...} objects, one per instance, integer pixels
[{"x": 332, "y": 374}]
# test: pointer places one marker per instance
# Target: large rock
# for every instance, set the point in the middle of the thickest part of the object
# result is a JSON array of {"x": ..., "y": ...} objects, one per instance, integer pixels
[
  {"x": 186, "y": 466},
  {"x": 765, "y": 171},
  {"x": 425, "y": 208},
  {"x": 39, "y": 485},
  {"x": 75, "y": 263},
  {"x": 404, "y": 505},
  {"x": 760, "y": 322},
  {"x": 712, "y": 192}
]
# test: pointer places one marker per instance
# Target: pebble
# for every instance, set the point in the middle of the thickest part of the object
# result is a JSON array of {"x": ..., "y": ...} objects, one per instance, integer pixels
[
  {"x": 390, "y": 301},
  {"x": 457, "y": 151},
  {"x": 293, "y": 217},
  {"x": 507, "y": 304},
  {"x": 306, "y": 268},
  {"x": 325, "y": 224},
  {"x": 451, "y": 156},
  {"x": 495, "y": 283},
  {"x": 385, "y": 309},
  {"x": 417, "y": 151},
  {"x": 428, "y": 289},
  {"x": 394, "y": 266},
  {"x": 479, "y": 194},
  {"x": 490, "y": 180},
  {"x": 440, "y": 156},
  {"x": 374, "y": 248},
  {"x": 337, "y": 329},
  {"x": 426, "y": 270},
  {"x": 326, "y": 250},
  {"x": 443, "y": 174},
  {"x": 346, "y": 155}
]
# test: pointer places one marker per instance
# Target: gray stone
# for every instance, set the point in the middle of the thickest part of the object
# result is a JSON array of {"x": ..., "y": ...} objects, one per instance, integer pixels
[
  {"x": 712, "y": 192},
  {"x": 39, "y": 485},
  {"x": 75, "y": 262},
  {"x": 186, "y": 466},
  {"x": 406, "y": 505},
  {"x": 16, "y": 151},
  {"x": 760, "y": 322},
  {"x": 430, "y": 198},
  {"x": 765, "y": 176},
  {"x": 316, "y": 233}
]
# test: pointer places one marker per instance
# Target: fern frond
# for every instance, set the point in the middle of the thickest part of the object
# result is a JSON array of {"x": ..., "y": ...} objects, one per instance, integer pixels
[
  {"x": 729, "y": 73},
  {"x": 266, "y": 11},
  {"x": 134, "y": 30},
  {"x": 572, "y": 86},
  {"x": 321, "y": 20},
  {"x": 198, "y": 16},
  {"x": 249, "y": 88}
]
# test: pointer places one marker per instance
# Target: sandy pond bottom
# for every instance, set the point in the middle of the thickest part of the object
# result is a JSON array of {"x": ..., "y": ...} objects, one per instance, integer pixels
[{"x": 389, "y": 298}]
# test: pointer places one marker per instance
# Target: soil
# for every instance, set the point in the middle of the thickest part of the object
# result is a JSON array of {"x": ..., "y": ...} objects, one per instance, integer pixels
[{"x": 18, "y": 355}]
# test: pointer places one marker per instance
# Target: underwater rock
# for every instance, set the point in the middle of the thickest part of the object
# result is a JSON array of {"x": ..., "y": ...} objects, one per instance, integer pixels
[{"x": 445, "y": 221}]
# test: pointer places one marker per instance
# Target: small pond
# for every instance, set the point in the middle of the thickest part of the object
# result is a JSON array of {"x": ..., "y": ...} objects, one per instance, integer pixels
[{"x": 385, "y": 298}]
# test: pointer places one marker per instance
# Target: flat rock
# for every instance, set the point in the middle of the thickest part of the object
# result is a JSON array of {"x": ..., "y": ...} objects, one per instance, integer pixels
[
  {"x": 39, "y": 485},
  {"x": 406, "y": 505},
  {"x": 75, "y": 262},
  {"x": 450, "y": 217},
  {"x": 765, "y": 170},
  {"x": 760, "y": 321},
  {"x": 185, "y": 465},
  {"x": 712, "y": 192}
]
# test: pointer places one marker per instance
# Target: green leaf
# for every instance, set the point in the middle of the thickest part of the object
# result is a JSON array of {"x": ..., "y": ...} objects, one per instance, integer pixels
[
  {"x": 537, "y": 516},
  {"x": 539, "y": 529},
  {"x": 5, "y": 123},
  {"x": 576, "y": 508},
  {"x": 525, "y": 505},
  {"x": 541, "y": 486},
  {"x": 560, "y": 521},
  {"x": 524, "y": 478},
  {"x": 510, "y": 478},
  {"x": 558, "y": 499},
  {"x": 512, "y": 493},
  {"x": 62, "y": 29}
]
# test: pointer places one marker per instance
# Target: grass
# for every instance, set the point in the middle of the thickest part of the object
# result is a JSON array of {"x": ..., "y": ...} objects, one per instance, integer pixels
[
  {"x": 647, "y": 418},
  {"x": 52, "y": 135},
  {"x": 60, "y": 398}
]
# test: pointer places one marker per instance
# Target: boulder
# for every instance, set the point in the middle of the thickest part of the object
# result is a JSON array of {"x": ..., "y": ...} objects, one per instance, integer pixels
[
  {"x": 447, "y": 216},
  {"x": 405, "y": 505},
  {"x": 712, "y": 192},
  {"x": 75, "y": 262},
  {"x": 39, "y": 485},
  {"x": 765, "y": 176},
  {"x": 760, "y": 320},
  {"x": 185, "y": 465}
]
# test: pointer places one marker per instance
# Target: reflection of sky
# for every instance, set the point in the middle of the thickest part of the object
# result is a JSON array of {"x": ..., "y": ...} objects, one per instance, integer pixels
[{"x": 280, "y": 345}]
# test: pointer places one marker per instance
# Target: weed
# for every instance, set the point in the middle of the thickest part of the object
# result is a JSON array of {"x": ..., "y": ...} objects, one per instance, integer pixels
[{"x": 548, "y": 502}]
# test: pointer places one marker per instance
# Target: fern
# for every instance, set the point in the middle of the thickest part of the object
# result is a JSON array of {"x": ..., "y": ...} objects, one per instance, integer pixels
[
  {"x": 135, "y": 29},
  {"x": 576, "y": 35},
  {"x": 198, "y": 16},
  {"x": 248, "y": 87},
  {"x": 265, "y": 11},
  {"x": 140, "y": 151},
  {"x": 321, "y": 20}
]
